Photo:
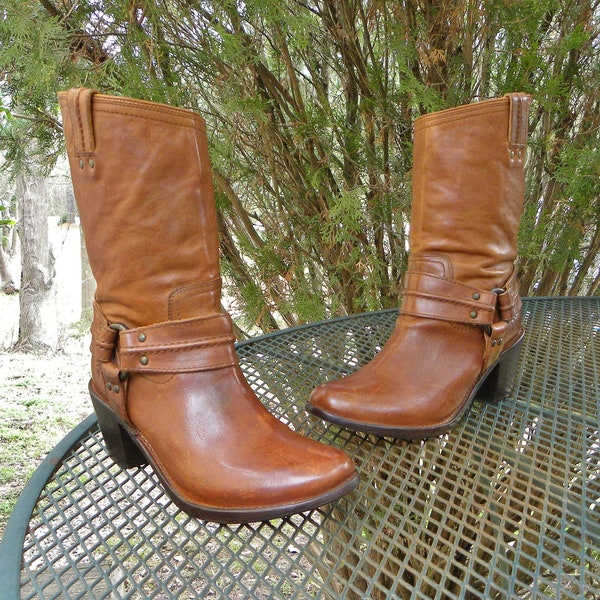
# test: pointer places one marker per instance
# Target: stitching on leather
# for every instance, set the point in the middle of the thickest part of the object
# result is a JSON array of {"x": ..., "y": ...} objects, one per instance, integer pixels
[
  {"x": 177, "y": 295},
  {"x": 75, "y": 105},
  {"x": 437, "y": 258},
  {"x": 458, "y": 116},
  {"x": 519, "y": 111},
  {"x": 182, "y": 123},
  {"x": 183, "y": 369},
  {"x": 184, "y": 346},
  {"x": 443, "y": 317},
  {"x": 176, "y": 324},
  {"x": 90, "y": 124},
  {"x": 206, "y": 284},
  {"x": 197, "y": 341},
  {"x": 157, "y": 462},
  {"x": 146, "y": 105},
  {"x": 450, "y": 281},
  {"x": 448, "y": 300},
  {"x": 471, "y": 303}
]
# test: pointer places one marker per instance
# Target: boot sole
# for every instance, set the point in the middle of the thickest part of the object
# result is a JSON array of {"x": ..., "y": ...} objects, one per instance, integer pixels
[
  {"x": 495, "y": 384},
  {"x": 127, "y": 451}
]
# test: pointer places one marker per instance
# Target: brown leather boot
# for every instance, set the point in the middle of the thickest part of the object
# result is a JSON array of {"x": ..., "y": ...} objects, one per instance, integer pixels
[
  {"x": 460, "y": 322},
  {"x": 166, "y": 384}
]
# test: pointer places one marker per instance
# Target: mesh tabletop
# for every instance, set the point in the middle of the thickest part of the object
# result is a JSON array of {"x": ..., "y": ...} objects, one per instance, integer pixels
[{"x": 504, "y": 506}]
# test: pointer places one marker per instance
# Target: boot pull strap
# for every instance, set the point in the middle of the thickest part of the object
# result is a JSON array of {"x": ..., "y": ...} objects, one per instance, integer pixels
[
  {"x": 79, "y": 106},
  {"x": 518, "y": 121}
]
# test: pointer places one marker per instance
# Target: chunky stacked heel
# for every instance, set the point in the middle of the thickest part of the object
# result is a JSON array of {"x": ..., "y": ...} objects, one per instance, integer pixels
[
  {"x": 121, "y": 447},
  {"x": 500, "y": 381}
]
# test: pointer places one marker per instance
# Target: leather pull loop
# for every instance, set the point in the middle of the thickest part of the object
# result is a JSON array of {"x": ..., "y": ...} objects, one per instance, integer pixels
[
  {"x": 517, "y": 127},
  {"x": 79, "y": 103}
]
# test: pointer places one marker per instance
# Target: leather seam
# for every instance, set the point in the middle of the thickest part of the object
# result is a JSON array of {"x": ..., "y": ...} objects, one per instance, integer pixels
[
  {"x": 145, "y": 105},
  {"x": 200, "y": 288},
  {"x": 442, "y": 318},
  {"x": 173, "y": 324},
  {"x": 448, "y": 300},
  {"x": 179, "y": 369},
  {"x": 435, "y": 257},
  {"x": 174, "y": 347},
  {"x": 179, "y": 123},
  {"x": 518, "y": 118},
  {"x": 79, "y": 120},
  {"x": 459, "y": 116},
  {"x": 90, "y": 125},
  {"x": 450, "y": 281}
]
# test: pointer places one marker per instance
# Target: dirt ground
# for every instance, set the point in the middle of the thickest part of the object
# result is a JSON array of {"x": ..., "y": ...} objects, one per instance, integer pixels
[{"x": 42, "y": 396}]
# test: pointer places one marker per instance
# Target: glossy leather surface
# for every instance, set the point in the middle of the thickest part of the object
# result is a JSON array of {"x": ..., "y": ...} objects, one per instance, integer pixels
[
  {"x": 461, "y": 309},
  {"x": 163, "y": 359}
]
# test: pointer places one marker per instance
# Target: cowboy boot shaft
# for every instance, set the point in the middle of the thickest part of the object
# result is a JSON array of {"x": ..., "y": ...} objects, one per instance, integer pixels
[
  {"x": 166, "y": 382},
  {"x": 468, "y": 190},
  {"x": 460, "y": 318},
  {"x": 147, "y": 209}
]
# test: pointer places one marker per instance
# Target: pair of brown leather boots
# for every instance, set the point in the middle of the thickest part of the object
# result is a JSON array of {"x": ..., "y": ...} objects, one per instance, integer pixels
[{"x": 166, "y": 384}]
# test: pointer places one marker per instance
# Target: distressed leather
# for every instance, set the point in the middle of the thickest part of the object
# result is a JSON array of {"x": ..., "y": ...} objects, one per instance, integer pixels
[
  {"x": 163, "y": 357},
  {"x": 461, "y": 307}
]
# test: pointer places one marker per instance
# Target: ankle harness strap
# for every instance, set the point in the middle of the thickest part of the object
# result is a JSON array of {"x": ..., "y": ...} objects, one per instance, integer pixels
[
  {"x": 184, "y": 346},
  {"x": 434, "y": 297}
]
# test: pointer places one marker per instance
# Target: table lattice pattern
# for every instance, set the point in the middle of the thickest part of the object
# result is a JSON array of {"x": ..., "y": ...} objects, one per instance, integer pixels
[{"x": 504, "y": 506}]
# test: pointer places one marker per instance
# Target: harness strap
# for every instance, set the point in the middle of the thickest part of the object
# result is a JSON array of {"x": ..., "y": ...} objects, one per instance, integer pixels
[
  {"x": 185, "y": 346},
  {"x": 509, "y": 301},
  {"x": 435, "y": 297}
]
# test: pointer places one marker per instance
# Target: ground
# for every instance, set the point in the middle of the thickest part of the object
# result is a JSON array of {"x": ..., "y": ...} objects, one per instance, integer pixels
[{"x": 42, "y": 396}]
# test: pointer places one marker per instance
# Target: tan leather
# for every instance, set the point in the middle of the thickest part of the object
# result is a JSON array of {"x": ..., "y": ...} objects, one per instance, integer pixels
[
  {"x": 461, "y": 308},
  {"x": 163, "y": 360}
]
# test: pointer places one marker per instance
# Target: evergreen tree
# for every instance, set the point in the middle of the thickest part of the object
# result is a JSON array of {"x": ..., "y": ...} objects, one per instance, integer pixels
[{"x": 310, "y": 106}]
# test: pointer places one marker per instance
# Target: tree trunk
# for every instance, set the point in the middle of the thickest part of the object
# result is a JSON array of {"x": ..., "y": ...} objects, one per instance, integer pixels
[
  {"x": 71, "y": 208},
  {"x": 6, "y": 283},
  {"x": 37, "y": 318}
]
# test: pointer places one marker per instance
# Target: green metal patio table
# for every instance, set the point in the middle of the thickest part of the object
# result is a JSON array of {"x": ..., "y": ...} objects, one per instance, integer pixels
[{"x": 507, "y": 505}]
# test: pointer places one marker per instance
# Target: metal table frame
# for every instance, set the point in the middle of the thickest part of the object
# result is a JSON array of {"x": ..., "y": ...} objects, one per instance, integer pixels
[{"x": 507, "y": 505}]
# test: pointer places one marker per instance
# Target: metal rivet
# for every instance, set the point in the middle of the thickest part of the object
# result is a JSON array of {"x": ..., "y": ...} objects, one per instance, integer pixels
[
  {"x": 108, "y": 386},
  {"x": 91, "y": 162},
  {"x": 493, "y": 343},
  {"x": 116, "y": 389},
  {"x": 473, "y": 314},
  {"x": 81, "y": 164},
  {"x": 144, "y": 360},
  {"x": 142, "y": 337},
  {"x": 512, "y": 153},
  {"x": 476, "y": 296},
  {"x": 499, "y": 341}
]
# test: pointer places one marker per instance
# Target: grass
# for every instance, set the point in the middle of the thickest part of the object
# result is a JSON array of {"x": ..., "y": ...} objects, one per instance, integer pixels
[{"x": 42, "y": 397}]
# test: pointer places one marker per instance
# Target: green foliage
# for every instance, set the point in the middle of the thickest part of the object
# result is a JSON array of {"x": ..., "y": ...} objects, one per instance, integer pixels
[
  {"x": 6, "y": 222},
  {"x": 310, "y": 107}
]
